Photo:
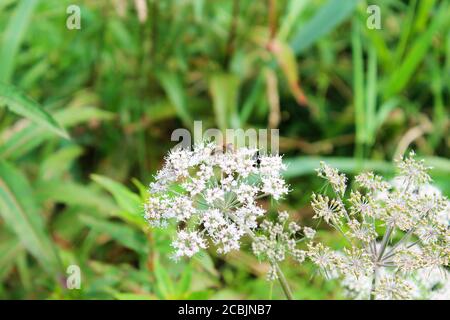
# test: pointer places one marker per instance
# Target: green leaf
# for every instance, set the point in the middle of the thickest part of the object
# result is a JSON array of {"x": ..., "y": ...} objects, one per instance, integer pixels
[
  {"x": 185, "y": 282},
  {"x": 384, "y": 110},
  {"x": 173, "y": 87},
  {"x": 224, "y": 89},
  {"x": 328, "y": 17},
  {"x": 27, "y": 136},
  {"x": 401, "y": 76},
  {"x": 19, "y": 103},
  {"x": 128, "y": 201},
  {"x": 123, "y": 234},
  {"x": 164, "y": 283},
  {"x": 74, "y": 194},
  {"x": 358, "y": 85},
  {"x": 18, "y": 209},
  {"x": 10, "y": 249},
  {"x": 58, "y": 163},
  {"x": 293, "y": 11},
  {"x": 371, "y": 95},
  {"x": 13, "y": 36},
  {"x": 306, "y": 165}
]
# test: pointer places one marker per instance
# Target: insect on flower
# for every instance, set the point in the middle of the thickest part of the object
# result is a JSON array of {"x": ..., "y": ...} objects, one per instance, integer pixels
[{"x": 214, "y": 192}]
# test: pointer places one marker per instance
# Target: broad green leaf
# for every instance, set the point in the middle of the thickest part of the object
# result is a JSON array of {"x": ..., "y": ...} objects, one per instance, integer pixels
[
  {"x": 306, "y": 165},
  {"x": 184, "y": 283},
  {"x": 128, "y": 201},
  {"x": 173, "y": 87},
  {"x": 122, "y": 233},
  {"x": 57, "y": 164},
  {"x": 224, "y": 89},
  {"x": 164, "y": 284},
  {"x": 75, "y": 194},
  {"x": 326, "y": 19},
  {"x": 14, "y": 99},
  {"x": 19, "y": 211},
  {"x": 204, "y": 260}
]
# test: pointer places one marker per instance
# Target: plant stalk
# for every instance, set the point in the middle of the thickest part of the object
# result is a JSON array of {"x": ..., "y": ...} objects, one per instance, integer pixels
[
  {"x": 283, "y": 282},
  {"x": 281, "y": 278},
  {"x": 374, "y": 283}
]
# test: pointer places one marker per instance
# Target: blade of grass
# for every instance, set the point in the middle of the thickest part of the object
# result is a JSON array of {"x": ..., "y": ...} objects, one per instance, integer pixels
[
  {"x": 401, "y": 76},
  {"x": 173, "y": 87},
  {"x": 384, "y": 110},
  {"x": 19, "y": 103},
  {"x": 371, "y": 95},
  {"x": 25, "y": 135},
  {"x": 13, "y": 37},
  {"x": 326, "y": 19},
  {"x": 358, "y": 90},
  {"x": 423, "y": 14},
  {"x": 405, "y": 33},
  {"x": 294, "y": 9},
  {"x": 224, "y": 91},
  {"x": 252, "y": 99},
  {"x": 18, "y": 209}
]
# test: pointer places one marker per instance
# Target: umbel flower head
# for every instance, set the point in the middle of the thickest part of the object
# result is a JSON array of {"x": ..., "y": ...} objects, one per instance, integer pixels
[
  {"x": 212, "y": 195},
  {"x": 393, "y": 231}
]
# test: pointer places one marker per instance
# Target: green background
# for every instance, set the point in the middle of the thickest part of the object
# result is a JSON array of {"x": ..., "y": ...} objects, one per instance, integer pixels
[{"x": 86, "y": 117}]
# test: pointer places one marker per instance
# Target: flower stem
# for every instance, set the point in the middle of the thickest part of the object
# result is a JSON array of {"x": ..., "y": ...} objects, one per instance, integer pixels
[
  {"x": 374, "y": 284},
  {"x": 384, "y": 242},
  {"x": 284, "y": 284}
]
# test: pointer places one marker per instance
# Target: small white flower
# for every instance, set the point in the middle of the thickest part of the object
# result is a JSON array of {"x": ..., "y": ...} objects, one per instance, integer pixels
[
  {"x": 309, "y": 232},
  {"x": 392, "y": 232},
  {"x": 393, "y": 288},
  {"x": 187, "y": 243},
  {"x": 215, "y": 195}
]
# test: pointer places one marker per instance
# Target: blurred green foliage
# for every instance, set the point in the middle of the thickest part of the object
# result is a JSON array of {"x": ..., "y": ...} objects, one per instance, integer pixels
[{"x": 121, "y": 84}]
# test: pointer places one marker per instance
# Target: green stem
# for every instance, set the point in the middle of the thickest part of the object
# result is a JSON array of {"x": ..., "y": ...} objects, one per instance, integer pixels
[
  {"x": 374, "y": 283},
  {"x": 284, "y": 284},
  {"x": 384, "y": 243}
]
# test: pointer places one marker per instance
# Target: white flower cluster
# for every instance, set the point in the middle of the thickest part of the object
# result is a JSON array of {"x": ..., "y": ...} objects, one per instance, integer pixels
[
  {"x": 427, "y": 283},
  {"x": 276, "y": 239},
  {"x": 393, "y": 230},
  {"x": 212, "y": 194}
]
